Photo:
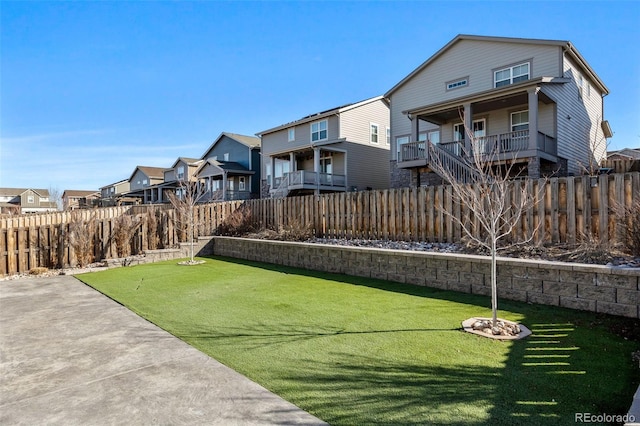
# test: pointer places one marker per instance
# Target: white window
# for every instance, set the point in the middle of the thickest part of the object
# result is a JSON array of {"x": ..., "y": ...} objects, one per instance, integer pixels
[
  {"x": 180, "y": 174},
  {"x": 226, "y": 156},
  {"x": 145, "y": 181},
  {"x": 325, "y": 165},
  {"x": 230, "y": 185},
  {"x": 459, "y": 133},
  {"x": 422, "y": 136},
  {"x": 457, "y": 83},
  {"x": 373, "y": 133},
  {"x": 520, "y": 120},
  {"x": 319, "y": 131},
  {"x": 434, "y": 136},
  {"x": 291, "y": 134},
  {"x": 31, "y": 199},
  {"x": 388, "y": 136},
  {"x": 268, "y": 173},
  {"x": 241, "y": 183},
  {"x": 511, "y": 75},
  {"x": 401, "y": 140},
  {"x": 580, "y": 85}
]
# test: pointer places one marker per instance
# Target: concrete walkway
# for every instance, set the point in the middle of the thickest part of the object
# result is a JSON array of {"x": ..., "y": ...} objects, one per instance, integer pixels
[{"x": 70, "y": 355}]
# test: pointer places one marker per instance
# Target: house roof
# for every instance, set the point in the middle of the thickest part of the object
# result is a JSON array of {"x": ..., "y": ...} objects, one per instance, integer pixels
[
  {"x": 6, "y": 192},
  {"x": 322, "y": 114},
  {"x": 79, "y": 193},
  {"x": 151, "y": 172},
  {"x": 632, "y": 153},
  {"x": 224, "y": 166},
  {"x": 115, "y": 183},
  {"x": 189, "y": 161},
  {"x": 566, "y": 45},
  {"x": 249, "y": 141}
]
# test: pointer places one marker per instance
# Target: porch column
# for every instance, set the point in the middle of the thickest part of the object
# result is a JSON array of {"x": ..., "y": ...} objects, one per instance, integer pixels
[
  {"x": 533, "y": 117},
  {"x": 292, "y": 162},
  {"x": 316, "y": 168},
  {"x": 273, "y": 172},
  {"x": 224, "y": 185},
  {"x": 415, "y": 127},
  {"x": 468, "y": 127}
]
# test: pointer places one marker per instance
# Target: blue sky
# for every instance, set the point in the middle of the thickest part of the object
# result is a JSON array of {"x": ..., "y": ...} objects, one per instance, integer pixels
[{"x": 90, "y": 90}]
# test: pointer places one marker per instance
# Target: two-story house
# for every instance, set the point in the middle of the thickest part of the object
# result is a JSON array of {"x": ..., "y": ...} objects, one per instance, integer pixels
[
  {"x": 26, "y": 200},
  {"x": 141, "y": 179},
  {"x": 115, "y": 194},
  {"x": 534, "y": 102},
  {"x": 79, "y": 199},
  {"x": 181, "y": 172},
  {"x": 230, "y": 169},
  {"x": 341, "y": 149}
]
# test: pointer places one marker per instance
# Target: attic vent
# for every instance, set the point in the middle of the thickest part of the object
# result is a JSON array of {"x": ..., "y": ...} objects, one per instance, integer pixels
[{"x": 463, "y": 82}]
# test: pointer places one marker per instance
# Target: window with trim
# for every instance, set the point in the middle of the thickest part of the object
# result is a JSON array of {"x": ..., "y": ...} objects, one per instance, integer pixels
[
  {"x": 319, "y": 131},
  {"x": 462, "y": 82},
  {"x": 388, "y": 136},
  {"x": 291, "y": 134},
  {"x": 268, "y": 173},
  {"x": 31, "y": 199},
  {"x": 459, "y": 133},
  {"x": 434, "y": 136},
  {"x": 180, "y": 174},
  {"x": 145, "y": 181},
  {"x": 373, "y": 133},
  {"x": 511, "y": 75},
  {"x": 241, "y": 183},
  {"x": 520, "y": 120},
  {"x": 226, "y": 156}
]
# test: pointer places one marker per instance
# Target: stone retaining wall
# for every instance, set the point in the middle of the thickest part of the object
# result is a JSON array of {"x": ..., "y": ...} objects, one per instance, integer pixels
[{"x": 594, "y": 288}]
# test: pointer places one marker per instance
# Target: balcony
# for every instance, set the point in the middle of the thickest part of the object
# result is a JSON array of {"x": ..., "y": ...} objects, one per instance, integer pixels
[
  {"x": 504, "y": 145},
  {"x": 304, "y": 179}
]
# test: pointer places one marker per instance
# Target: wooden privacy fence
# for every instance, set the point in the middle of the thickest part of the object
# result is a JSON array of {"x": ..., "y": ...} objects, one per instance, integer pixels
[{"x": 569, "y": 210}]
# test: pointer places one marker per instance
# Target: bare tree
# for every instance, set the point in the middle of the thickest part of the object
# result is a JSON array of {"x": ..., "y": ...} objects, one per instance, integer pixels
[
  {"x": 124, "y": 229},
  {"x": 184, "y": 200},
  {"x": 483, "y": 179},
  {"x": 55, "y": 196},
  {"x": 82, "y": 230}
]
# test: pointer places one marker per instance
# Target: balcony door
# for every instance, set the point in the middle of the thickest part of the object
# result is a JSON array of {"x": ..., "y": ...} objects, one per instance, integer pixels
[
  {"x": 479, "y": 131},
  {"x": 326, "y": 170}
]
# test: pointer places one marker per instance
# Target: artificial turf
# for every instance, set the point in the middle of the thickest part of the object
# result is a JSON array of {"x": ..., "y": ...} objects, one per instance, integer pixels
[{"x": 362, "y": 351}]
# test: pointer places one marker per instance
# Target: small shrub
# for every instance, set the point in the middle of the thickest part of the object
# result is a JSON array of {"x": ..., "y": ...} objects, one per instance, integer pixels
[
  {"x": 295, "y": 231},
  {"x": 123, "y": 232},
  {"x": 238, "y": 223},
  {"x": 82, "y": 232},
  {"x": 629, "y": 224},
  {"x": 38, "y": 271}
]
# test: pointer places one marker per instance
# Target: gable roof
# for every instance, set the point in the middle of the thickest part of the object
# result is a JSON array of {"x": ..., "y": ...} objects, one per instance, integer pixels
[
  {"x": 189, "y": 161},
  {"x": 14, "y": 192},
  {"x": 249, "y": 141},
  {"x": 78, "y": 193},
  {"x": 151, "y": 172},
  {"x": 224, "y": 166},
  {"x": 323, "y": 114},
  {"x": 115, "y": 183},
  {"x": 631, "y": 153},
  {"x": 567, "y": 47}
]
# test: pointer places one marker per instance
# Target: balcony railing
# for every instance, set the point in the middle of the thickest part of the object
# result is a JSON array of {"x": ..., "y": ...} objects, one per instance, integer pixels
[
  {"x": 493, "y": 144},
  {"x": 308, "y": 178}
]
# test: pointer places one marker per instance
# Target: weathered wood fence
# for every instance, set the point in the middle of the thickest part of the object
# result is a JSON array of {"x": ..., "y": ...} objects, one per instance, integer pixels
[{"x": 569, "y": 210}]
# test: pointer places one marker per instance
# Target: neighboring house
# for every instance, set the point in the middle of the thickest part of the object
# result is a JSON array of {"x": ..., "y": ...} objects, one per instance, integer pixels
[
  {"x": 77, "y": 199},
  {"x": 230, "y": 168},
  {"x": 142, "y": 178},
  {"x": 538, "y": 101},
  {"x": 181, "y": 171},
  {"x": 21, "y": 200},
  {"x": 623, "y": 160},
  {"x": 115, "y": 194},
  {"x": 342, "y": 149}
]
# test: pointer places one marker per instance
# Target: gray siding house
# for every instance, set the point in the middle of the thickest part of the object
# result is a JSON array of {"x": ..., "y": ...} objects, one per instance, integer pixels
[
  {"x": 182, "y": 170},
  {"x": 115, "y": 194},
  {"x": 230, "y": 168},
  {"x": 341, "y": 149},
  {"x": 142, "y": 178},
  {"x": 25, "y": 200},
  {"x": 538, "y": 101}
]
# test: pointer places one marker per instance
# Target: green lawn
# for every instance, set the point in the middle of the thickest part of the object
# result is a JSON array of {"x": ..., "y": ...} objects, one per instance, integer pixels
[{"x": 357, "y": 351}]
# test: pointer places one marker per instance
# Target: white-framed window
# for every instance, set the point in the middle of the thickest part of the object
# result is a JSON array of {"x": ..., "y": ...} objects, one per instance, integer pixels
[
  {"x": 388, "y": 136},
  {"x": 241, "y": 183},
  {"x": 511, "y": 75},
  {"x": 31, "y": 199},
  {"x": 422, "y": 136},
  {"x": 226, "y": 156},
  {"x": 520, "y": 120},
  {"x": 455, "y": 84},
  {"x": 145, "y": 181},
  {"x": 268, "y": 174},
  {"x": 291, "y": 134},
  {"x": 326, "y": 165},
  {"x": 434, "y": 136},
  {"x": 319, "y": 131},
  {"x": 231, "y": 185},
  {"x": 479, "y": 129},
  {"x": 112, "y": 190},
  {"x": 180, "y": 173},
  {"x": 373, "y": 133},
  {"x": 401, "y": 140}
]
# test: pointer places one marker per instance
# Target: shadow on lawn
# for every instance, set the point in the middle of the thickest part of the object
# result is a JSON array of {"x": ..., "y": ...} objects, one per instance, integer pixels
[{"x": 562, "y": 369}]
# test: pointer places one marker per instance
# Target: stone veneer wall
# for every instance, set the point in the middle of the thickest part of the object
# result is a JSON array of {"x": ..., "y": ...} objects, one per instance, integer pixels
[{"x": 593, "y": 288}]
